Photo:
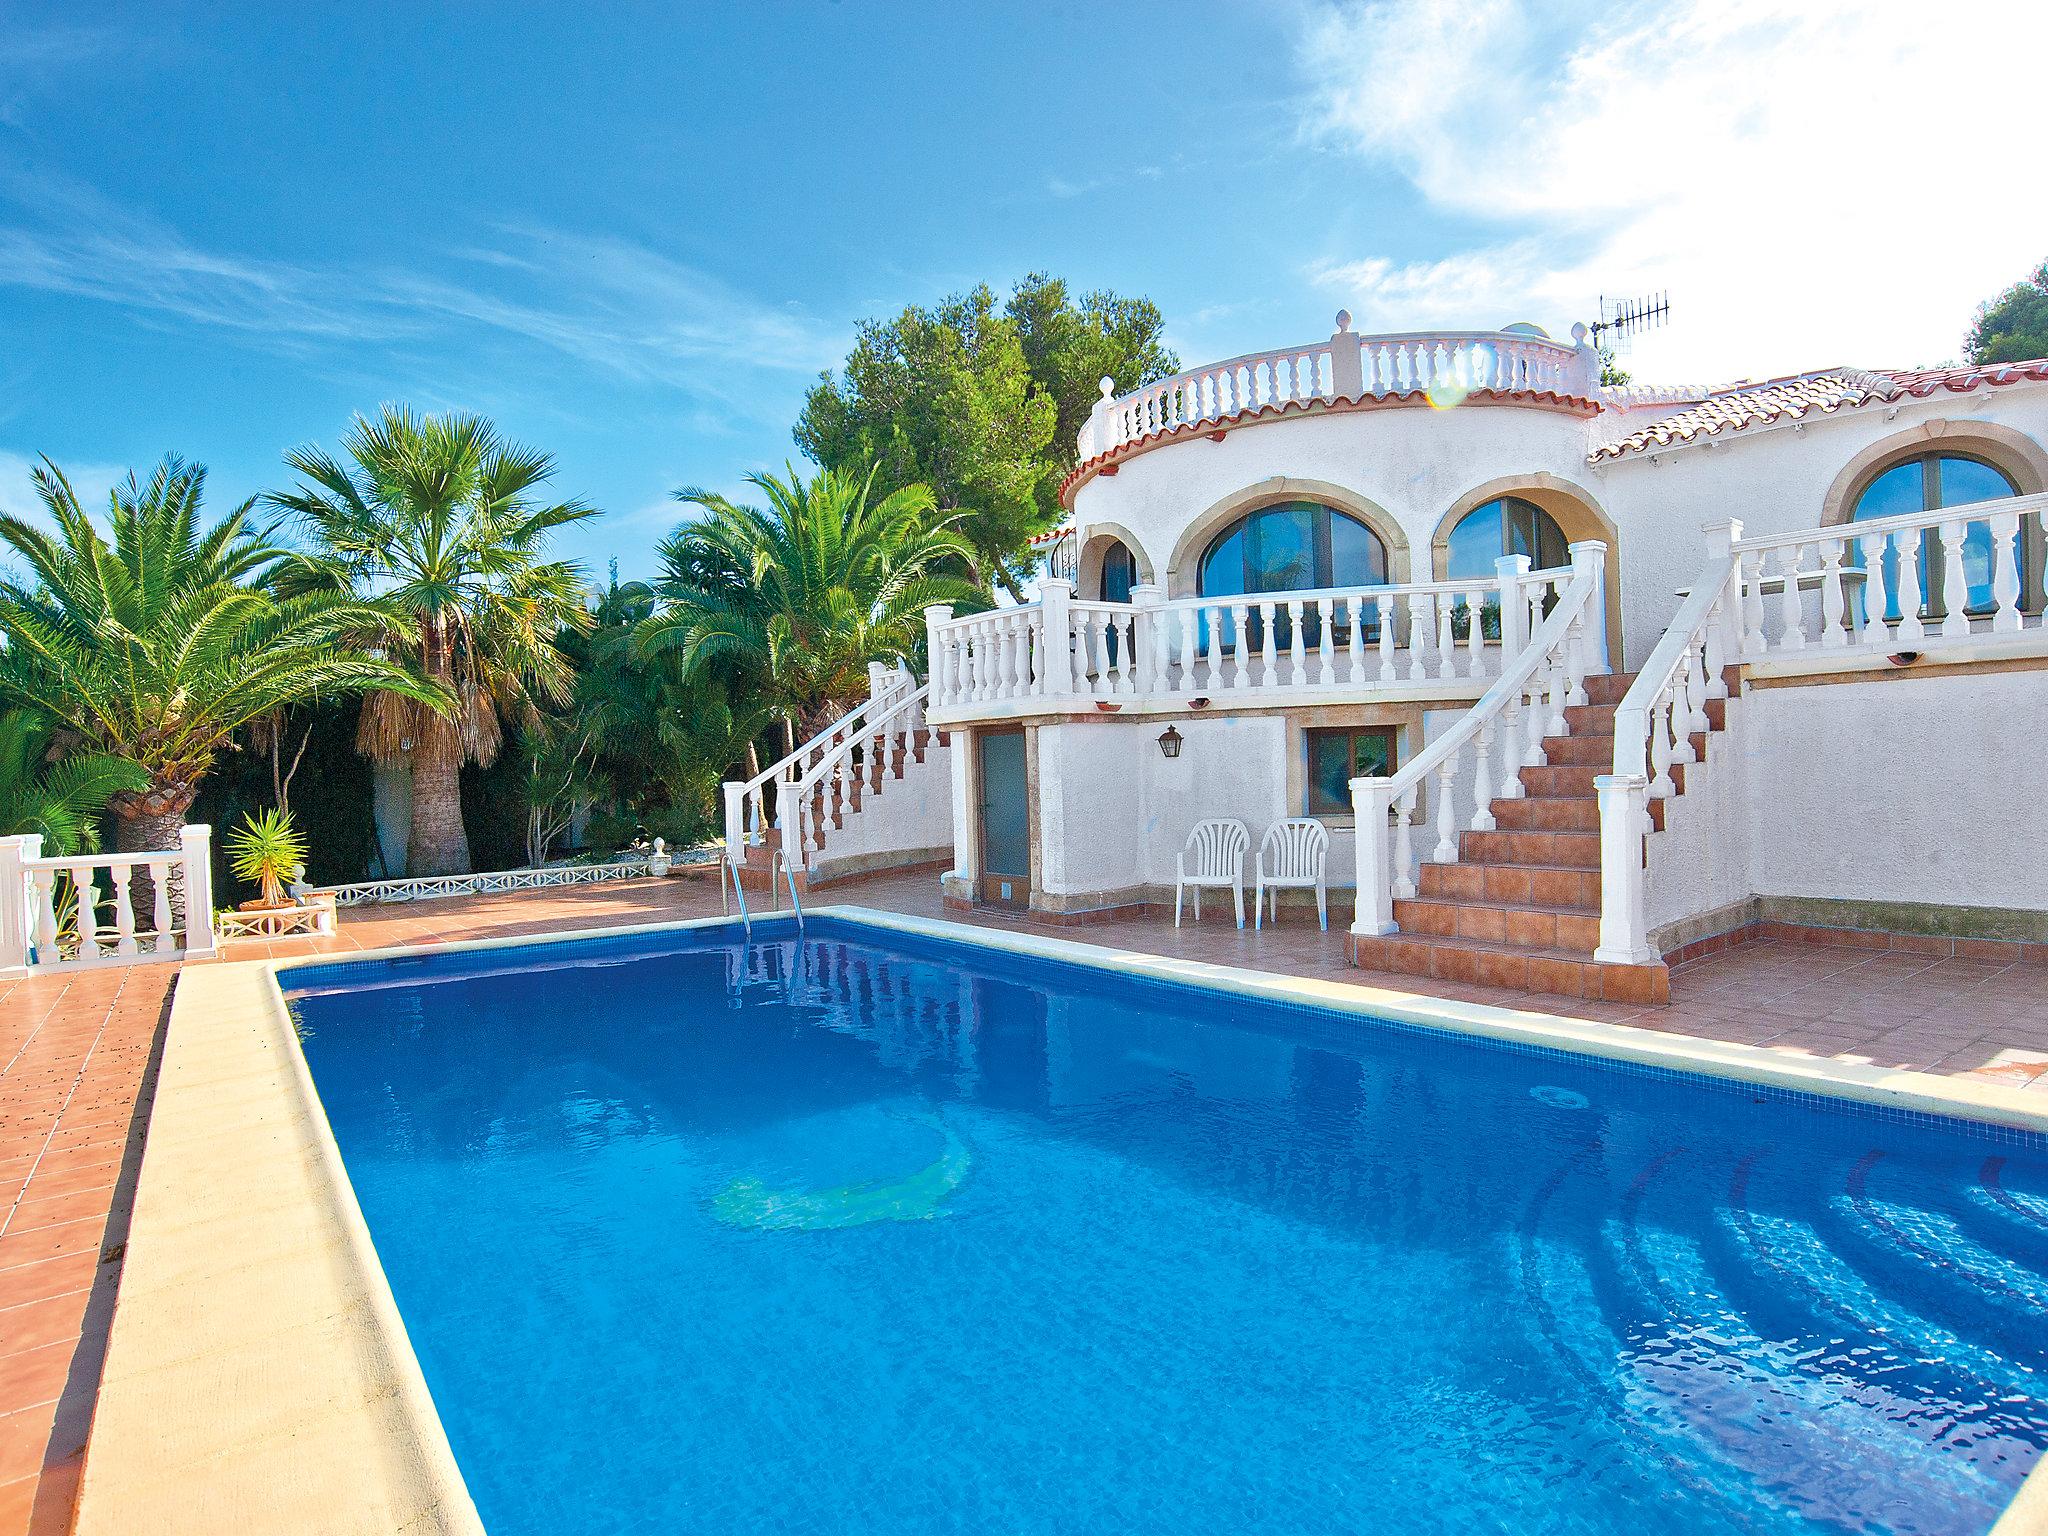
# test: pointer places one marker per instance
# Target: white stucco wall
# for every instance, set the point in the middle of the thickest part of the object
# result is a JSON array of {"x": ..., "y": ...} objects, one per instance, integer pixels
[
  {"x": 1700, "y": 862},
  {"x": 912, "y": 815},
  {"x": 1909, "y": 789}
]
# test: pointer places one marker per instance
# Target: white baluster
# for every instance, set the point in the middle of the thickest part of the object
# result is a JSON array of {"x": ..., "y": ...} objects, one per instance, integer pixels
[
  {"x": 1269, "y": 650},
  {"x": 1482, "y": 779},
  {"x": 1832, "y": 632},
  {"x": 1326, "y": 641},
  {"x": 1354, "y": 610},
  {"x": 1475, "y": 635},
  {"x": 1297, "y": 671},
  {"x": 1404, "y": 843},
  {"x": 1446, "y": 851},
  {"x": 1240, "y": 618},
  {"x": 165, "y": 940},
  {"x": 87, "y": 919},
  {"x": 1660, "y": 748},
  {"x": 124, "y": 911},
  {"x": 1955, "y": 586},
  {"x": 1418, "y": 634},
  {"x": 1511, "y": 785},
  {"x": 1791, "y": 613},
  {"x": 1754, "y": 641},
  {"x": 45, "y": 883},
  {"x": 1907, "y": 543},
  {"x": 1190, "y": 620},
  {"x": 1556, "y": 725},
  {"x": 1575, "y": 661},
  {"x": 1383, "y": 607},
  {"x": 2005, "y": 573},
  {"x": 1877, "y": 631},
  {"x": 1534, "y": 714},
  {"x": 1446, "y": 647},
  {"x": 1682, "y": 721}
]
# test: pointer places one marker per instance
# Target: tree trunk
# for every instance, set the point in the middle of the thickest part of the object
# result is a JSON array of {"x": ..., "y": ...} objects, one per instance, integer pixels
[
  {"x": 437, "y": 845},
  {"x": 150, "y": 823}
]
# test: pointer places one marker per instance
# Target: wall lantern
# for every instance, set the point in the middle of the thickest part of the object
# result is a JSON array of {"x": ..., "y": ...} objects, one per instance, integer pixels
[{"x": 1169, "y": 742}]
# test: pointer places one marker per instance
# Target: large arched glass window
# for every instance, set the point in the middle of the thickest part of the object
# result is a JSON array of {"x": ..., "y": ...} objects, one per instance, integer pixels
[
  {"x": 1507, "y": 525},
  {"x": 1296, "y": 546},
  {"x": 1928, "y": 482}
]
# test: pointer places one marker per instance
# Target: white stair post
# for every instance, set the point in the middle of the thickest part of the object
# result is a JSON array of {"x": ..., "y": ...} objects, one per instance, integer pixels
[
  {"x": 1056, "y": 604},
  {"x": 1624, "y": 808},
  {"x": 1510, "y": 571},
  {"x": 16, "y": 912},
  {"x": 1347, "y": 361},
  {"x": 195, "y": 845},
  {"x": 1590, "y": 555},
  {"x": 1372, "y": 802},
  {"x": 938, "y": 664},
  {"x": 735, "y": 819}
]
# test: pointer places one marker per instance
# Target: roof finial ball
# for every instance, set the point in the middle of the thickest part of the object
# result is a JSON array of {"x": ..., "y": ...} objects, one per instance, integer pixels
[
  {"x": 1579, "y": 333},
  {"x": 1343, "y": 319},
  {"x": 1108, "y": 386}
]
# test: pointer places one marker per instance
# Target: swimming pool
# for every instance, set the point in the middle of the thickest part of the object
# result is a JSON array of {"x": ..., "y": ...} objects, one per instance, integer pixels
[{"x": 867, "y": 1232}]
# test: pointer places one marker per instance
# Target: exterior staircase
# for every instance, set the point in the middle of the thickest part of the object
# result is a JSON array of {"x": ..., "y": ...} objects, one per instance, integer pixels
[
  {"x": 1521, "y": 906},
  {"x": 834, "y": 801}
]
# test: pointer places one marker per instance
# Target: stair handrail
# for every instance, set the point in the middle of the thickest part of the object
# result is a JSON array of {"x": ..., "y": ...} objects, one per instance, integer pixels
[
  {"x": 1653, "y": 729},
  {"x": 1557, "y": 647},
  {"x": 797, "y": 844},
  {"x": 787, "y": 769}
]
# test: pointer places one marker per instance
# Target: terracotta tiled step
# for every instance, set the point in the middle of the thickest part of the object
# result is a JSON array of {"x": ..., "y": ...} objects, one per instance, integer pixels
[
  {"x": 1548, "y": 813},
  {"x": 1503, "y": 965},
  {"x": 1608, "y": 687},
  {"x": 1520, "y": 885},
  {"x": 1523, "y": 927},
  {"x": 1567, "y": 850},
  {"x": 1589, "y": 719},
  {"x": 1564, "y": 778},
  {"x": 1579, "y": 752}
]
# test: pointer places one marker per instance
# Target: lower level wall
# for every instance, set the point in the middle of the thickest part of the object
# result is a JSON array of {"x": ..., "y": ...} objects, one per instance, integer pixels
[{"x": 1865, "y": 804}]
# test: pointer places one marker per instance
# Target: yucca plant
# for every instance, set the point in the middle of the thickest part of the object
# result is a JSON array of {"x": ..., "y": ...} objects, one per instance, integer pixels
[{"x": 266, "y": 850}]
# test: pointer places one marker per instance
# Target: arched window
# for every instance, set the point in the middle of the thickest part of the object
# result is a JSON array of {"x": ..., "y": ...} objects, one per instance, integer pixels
[
  {"x": 1506, "y": 525},
  {"x": 1296, "y": 546},
  {"x": 1927, "y": 482}
]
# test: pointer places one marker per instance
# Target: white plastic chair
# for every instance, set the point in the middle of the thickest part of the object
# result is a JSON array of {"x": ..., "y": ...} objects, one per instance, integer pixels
[
  {"x": 1293, "y": 855},
  {"x": 1214, "y": 856}
]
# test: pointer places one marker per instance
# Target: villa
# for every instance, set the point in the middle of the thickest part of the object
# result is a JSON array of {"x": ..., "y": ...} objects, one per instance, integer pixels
[{"x": 1580, "y": 679}]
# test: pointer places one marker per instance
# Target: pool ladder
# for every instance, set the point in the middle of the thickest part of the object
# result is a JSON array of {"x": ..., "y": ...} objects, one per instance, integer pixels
[{"x": 776, "y": 863}]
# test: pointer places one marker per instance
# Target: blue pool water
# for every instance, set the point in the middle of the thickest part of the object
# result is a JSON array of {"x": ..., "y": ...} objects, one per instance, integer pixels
[{"x": 873, "y": 1234}]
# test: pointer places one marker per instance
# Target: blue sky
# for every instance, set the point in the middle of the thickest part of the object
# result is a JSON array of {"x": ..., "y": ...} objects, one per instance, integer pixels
[{"x": 633, "y": 236}]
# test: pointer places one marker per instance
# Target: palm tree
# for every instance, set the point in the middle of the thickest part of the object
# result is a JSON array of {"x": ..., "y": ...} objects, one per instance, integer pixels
[
  {"x": 158, "y": 643},
  {"x": 60, "y": 802},
  {"x": 437, "y": 519},
  {"x": 798, "y": 599}
]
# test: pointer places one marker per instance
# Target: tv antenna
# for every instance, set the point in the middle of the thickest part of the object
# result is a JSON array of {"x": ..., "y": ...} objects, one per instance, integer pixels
[{"x": 1621, "y": 320}]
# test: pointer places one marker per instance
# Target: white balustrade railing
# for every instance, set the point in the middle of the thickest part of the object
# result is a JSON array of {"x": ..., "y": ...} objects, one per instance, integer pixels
[
  {"x": 94, "y": 909},
  {"x": 1069, "y": 652},
  {"x": 1912, "y": 582},
  {"x": 491, "y": 882},
  {"x": 1480, "y": 758},
  {"x": 848, "y": 766},
  {"x": 749, "y": 813},
  {"x": 1443, "y": 365}
]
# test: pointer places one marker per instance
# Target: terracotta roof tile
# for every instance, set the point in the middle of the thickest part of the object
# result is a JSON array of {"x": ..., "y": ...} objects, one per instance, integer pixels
[{"x": 1824, "y": 391}]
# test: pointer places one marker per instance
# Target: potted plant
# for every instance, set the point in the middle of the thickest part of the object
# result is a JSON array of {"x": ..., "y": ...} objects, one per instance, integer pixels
[{"x": 266, "y": 849}]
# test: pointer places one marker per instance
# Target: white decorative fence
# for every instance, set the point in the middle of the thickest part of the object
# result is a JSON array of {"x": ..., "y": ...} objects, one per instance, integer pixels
[
  {"x": 99, "y": 909},
  {"x": 829, "y": 773},
  {"x": 364, "y": 893},
  {"x": 1237, "y": 647},
  {"x": 1443, "y": 365},
  {"x": 1484, "y": 752},
  {"x": 1842, "y": 596}
]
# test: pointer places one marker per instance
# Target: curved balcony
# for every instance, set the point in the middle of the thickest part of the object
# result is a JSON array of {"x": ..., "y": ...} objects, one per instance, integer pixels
[{"x": 1430, "y": 367}]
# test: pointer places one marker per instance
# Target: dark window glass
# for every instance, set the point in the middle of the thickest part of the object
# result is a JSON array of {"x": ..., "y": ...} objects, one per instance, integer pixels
[
  {"x": 1119, "y": 574},
  {"x": 1507, "y": 526},
  {"x": 1297, "y": 546},
  {"x": 1336, "y": 757}
]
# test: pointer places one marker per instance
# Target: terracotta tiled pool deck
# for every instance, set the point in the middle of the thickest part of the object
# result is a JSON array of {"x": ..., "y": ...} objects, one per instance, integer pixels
[{"x": 77, "y": 1057}]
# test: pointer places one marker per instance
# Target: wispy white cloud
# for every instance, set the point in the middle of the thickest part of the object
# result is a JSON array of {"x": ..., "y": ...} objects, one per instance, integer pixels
[
  {"x": 1081, "y": 186},
  {"x": 607, "y": 303},
  {"x": 1814, "y": 184}
]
